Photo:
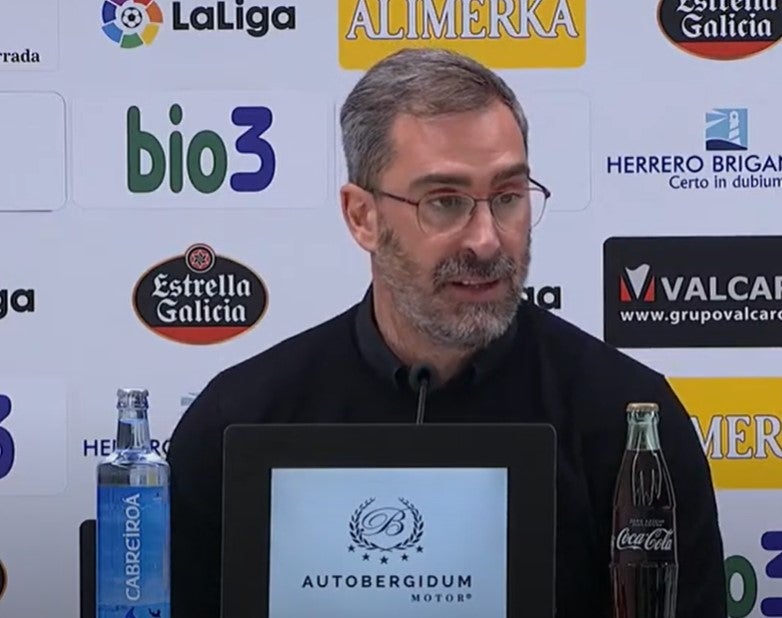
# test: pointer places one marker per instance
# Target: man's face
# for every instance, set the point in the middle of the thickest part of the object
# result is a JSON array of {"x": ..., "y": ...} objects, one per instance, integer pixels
[{"x": 460, "y": 287}]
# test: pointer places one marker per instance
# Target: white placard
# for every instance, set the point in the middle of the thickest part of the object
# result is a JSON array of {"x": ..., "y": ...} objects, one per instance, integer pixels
[{"x": 388, "y": 542}]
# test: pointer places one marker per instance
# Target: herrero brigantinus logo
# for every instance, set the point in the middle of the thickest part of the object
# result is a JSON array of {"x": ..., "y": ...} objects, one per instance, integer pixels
[
  {"x": 200, "y": 297},
  {"x": 386, "y": 534}
]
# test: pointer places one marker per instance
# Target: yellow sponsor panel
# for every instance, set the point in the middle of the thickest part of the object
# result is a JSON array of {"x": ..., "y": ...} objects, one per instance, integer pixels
[
  {"x": 739, "y": 423},
  {"x": 502, "y": 34}
]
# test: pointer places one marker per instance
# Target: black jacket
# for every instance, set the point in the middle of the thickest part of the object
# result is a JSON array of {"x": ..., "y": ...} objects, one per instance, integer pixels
[{"x": 543, "y": 370}]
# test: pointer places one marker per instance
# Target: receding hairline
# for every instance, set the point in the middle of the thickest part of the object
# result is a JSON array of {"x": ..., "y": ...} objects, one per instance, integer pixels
[
  {"x": 419, "y": 83},
  {"x": 520, "y": 167}
]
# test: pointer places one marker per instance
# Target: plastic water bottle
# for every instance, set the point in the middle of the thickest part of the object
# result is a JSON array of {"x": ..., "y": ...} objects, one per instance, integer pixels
[{"x": 133, "y": 524}]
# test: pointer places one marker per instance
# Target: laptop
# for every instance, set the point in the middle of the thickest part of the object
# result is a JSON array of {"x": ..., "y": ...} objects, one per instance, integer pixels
[{"x": 387, "y": 521}]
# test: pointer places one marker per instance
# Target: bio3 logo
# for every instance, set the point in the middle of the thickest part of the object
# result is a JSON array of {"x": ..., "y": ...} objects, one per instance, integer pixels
[
  {"x": 6, "y": 441},
  {"x": 190, "y": 159},
  {"x": 743, "y": 599}
]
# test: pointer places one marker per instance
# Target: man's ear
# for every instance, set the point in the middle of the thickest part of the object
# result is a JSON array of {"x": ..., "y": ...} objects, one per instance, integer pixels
[{"x": 360, "y": 213}]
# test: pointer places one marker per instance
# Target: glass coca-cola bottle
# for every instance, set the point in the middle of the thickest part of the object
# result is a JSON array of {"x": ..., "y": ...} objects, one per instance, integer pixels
[{"x": 644, "y": 565}]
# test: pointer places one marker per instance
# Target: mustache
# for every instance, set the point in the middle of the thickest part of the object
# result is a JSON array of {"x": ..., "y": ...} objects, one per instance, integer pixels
[{"x": 468, "y": 265}]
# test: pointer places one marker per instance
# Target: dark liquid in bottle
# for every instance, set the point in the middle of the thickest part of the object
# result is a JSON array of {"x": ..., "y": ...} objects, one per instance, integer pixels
[{"x": 643, "y": 547}]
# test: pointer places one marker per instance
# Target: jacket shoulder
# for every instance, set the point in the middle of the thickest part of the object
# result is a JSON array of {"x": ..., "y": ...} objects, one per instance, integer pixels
[
  {"x": 567, "y": 340},
  {"x": 591, "y": 374},
  {"x": 294, "y": 355},
  {"x": 264, "y": 385}
]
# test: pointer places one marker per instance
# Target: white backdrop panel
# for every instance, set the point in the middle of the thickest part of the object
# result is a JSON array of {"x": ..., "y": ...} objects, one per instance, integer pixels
[{"x": 64, "y": 151}]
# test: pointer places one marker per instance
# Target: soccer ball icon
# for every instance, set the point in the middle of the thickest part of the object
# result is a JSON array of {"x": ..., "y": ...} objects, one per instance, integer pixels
[
  {"x": 132, "y": 17},
  {"x": 131, "y": 23}
]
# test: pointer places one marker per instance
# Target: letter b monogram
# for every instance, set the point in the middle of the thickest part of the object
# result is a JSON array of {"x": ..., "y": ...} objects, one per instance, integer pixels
[{"x": 6, "y": 441}]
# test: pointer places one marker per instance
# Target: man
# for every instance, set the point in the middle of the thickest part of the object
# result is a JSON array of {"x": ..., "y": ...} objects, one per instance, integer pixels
[{"x": 440, "y": 195}]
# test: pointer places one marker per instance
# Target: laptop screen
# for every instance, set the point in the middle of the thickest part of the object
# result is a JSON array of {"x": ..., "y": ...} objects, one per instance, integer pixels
[{"x": 388, "y": 542}]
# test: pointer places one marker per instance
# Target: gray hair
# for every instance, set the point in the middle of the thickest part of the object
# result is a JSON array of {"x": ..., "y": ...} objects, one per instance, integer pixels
[{"x": 422, "y": 82}]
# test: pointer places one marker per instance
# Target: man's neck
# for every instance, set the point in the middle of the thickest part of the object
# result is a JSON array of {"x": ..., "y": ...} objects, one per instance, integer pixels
[{"x": 412, "y": 346}]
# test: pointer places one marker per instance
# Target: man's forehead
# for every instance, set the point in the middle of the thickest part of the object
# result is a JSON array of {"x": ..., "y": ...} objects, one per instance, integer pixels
[{"x": 500, "y": 173}]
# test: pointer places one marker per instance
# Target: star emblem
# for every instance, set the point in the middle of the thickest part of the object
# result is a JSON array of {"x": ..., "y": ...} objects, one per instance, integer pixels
[
  {"x": 351, "y": 549},
  {"x": 419, "y": 549},
  {"x": 384, "y": 560},
  {"x": 404, "y": 557},
  {"x": 365, "y": 557}
]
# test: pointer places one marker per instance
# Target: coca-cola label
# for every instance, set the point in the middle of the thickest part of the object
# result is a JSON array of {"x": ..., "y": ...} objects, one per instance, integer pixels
[{"x": 651, "y": 536}]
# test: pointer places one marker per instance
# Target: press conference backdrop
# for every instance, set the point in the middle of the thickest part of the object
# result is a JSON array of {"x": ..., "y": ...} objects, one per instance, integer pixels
[{"x": 170, "y": 173}]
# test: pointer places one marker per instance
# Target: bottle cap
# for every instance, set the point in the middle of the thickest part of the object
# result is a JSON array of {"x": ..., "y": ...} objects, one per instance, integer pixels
[
  {"x": 132, "y": 397},
  {"x": 642, "y": 408}
]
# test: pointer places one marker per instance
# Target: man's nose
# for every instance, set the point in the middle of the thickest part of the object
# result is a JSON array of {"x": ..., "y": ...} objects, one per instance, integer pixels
[{"x": 480, "y": 234}]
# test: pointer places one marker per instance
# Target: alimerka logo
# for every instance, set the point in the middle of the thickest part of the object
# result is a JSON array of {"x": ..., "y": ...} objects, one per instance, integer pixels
[
  {"x": 721, "y": 29},
  {"x": 738, "y": 422},
  {"x": 499, "y": 33},
  {"x": 200, "y": 297}
]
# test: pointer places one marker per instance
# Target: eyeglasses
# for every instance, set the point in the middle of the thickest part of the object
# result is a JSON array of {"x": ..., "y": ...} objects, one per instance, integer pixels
[{"x": 448, "y": 212}]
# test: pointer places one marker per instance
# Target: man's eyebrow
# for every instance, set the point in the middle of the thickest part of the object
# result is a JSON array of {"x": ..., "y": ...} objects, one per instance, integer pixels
[{"x": 520, "y": 169}]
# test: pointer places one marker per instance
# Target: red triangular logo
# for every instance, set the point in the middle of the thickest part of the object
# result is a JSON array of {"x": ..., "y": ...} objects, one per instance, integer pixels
[
  {"x": 650, "y": 287},
  {"x": 624, "y": 293}
]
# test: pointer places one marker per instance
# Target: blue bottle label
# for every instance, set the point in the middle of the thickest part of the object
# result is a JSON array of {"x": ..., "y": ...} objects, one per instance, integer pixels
[{"x": 133, "y": 552}]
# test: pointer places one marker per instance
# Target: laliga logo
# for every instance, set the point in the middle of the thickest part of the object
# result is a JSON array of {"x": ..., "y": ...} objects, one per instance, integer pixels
[
  {"x": 386, "y": 529},
  {"x": 131, "y": 24},
  {"x": 659, "y": 539}
]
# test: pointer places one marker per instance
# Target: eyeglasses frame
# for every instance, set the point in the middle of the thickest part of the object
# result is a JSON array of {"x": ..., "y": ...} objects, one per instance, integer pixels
[{"x": 476, "y": 200}]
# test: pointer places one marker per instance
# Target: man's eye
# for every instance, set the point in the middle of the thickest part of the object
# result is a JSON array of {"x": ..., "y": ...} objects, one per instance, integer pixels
[{"x": 448, "y": 202}]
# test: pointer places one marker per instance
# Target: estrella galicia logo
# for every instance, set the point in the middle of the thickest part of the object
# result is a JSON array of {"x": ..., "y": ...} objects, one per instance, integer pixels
[
  {"x": 726, "y": 129},
  {"x": 721, "y": 30},
  {"x": 7, "y": 447},
  {"x": 693, "y": 292},
  {"x": 386, "y": 529},
  {"x": 200, "y": 297},
  {"x": 131, "y": 23}
]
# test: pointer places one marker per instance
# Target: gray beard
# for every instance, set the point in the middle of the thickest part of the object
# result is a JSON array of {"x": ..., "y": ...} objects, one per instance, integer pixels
[{"x": 462, "y": 326}]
